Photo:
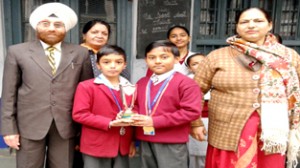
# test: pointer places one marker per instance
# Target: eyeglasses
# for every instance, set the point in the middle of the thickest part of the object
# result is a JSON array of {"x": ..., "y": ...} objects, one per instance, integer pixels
[{"x": 57, "y": 25}]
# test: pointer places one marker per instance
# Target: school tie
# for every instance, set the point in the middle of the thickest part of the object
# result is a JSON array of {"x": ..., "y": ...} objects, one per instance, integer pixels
[{"x": 51, "y": 59}]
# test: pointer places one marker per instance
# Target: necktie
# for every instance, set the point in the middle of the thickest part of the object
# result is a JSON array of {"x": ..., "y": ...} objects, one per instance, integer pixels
[{"x": 51, "y": 59}]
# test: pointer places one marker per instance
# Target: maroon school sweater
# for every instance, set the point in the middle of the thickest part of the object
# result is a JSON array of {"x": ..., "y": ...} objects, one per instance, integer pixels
[{"x": 179, "y": 105}]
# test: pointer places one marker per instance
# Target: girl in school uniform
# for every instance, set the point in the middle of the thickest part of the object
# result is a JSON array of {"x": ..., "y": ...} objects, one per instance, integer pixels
[
  {"x": 197, "y": 149},
  {"x": 167, "y": 102},
  {"x": 179, "y": 36},
  {"x": 105, "y": 141}
]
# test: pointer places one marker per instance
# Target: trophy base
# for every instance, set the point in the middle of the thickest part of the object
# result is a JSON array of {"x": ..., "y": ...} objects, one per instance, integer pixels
[{"x": 127, "y": 115}]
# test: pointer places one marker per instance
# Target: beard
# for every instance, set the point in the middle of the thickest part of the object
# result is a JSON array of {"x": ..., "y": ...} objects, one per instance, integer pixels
[{"x": 51, "y": 37}]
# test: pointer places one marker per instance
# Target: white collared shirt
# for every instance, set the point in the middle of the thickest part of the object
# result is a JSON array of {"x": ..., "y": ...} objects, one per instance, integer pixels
[
  {"x": 156, "y": 79},
  {"x": 101, "y": 79},
  {"x": 57, "y": 52}
]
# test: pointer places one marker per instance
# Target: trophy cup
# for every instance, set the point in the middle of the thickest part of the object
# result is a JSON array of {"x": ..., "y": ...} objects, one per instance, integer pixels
[{"x": 128, "y": 90}]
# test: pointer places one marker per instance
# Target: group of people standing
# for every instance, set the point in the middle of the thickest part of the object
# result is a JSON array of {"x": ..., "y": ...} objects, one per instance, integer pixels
[{"x": 49, "y": 84}]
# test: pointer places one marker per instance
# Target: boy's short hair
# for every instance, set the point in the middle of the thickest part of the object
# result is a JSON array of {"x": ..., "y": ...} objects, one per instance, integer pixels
[
  {"x": 165, "y": 44},
  {"x": 110, "y": 49},
  {"x": 188, "y": 58}
]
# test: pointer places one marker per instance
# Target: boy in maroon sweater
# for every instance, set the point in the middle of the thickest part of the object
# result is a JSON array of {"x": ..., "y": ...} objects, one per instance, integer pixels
[{"x": 166, "y": 103}]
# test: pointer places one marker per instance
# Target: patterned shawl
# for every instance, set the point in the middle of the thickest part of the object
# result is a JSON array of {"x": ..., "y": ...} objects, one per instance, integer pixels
[{"x": 280, "y": 95}]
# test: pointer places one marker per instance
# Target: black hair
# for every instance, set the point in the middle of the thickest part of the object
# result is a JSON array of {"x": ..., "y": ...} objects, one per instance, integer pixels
[
  {"x": 177, "y": 26},
  {"x": 163, "y": 43},
  {"x": 110, "y": 49},
  {"x": 267, "y": 14},
  {"x": 92, "y": 23},
  {"x": 188, "y": 59},
  {"x": 278, "y": 37}
]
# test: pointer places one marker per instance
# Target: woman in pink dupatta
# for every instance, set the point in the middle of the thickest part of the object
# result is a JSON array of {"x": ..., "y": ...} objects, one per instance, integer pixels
[{"x": 255, "y": 98}]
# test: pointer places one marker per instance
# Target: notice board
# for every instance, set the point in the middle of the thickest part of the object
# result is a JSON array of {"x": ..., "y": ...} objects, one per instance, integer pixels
[{"x": 155, "y": 17}]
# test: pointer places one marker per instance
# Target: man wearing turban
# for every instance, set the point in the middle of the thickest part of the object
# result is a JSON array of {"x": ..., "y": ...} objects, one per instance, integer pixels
[{"x": 39, "y": 82}]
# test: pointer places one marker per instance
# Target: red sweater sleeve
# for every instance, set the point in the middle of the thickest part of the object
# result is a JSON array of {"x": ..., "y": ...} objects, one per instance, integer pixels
[
  {"x": 82, "y": 108},
  {"x": 188, "y": 107}
]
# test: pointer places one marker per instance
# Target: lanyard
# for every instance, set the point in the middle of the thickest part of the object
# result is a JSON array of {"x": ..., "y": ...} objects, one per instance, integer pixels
[
  {"x": 158, "y": 94},
  {"x": 116, "y": 100},
  {"x": 113, "y": 94}
]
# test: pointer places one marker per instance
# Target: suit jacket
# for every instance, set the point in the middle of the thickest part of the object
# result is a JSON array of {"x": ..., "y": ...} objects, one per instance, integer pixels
[
  {"x": 33, "y": 98},
  {"x": 94, "y": 108},
  {"x": 235, "y": 95}
]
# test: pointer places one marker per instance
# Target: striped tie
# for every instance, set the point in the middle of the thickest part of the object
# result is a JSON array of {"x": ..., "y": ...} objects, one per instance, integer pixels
[{"x": 51, "y": 59}]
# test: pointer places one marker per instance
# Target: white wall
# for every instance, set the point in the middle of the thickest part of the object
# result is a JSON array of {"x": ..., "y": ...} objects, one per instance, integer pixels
[{"x": 2, "y": 44}]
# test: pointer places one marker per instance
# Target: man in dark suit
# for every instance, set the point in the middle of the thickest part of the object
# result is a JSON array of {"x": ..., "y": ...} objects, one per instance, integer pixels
[{"x": 39, "y": 82}]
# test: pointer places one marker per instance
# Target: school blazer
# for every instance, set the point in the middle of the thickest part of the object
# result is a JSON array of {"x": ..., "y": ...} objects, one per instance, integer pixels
[
  {"x": 235, "y": 95},
  {"x": 94, "y": 108},
  {"x": 32, "y": 98}
]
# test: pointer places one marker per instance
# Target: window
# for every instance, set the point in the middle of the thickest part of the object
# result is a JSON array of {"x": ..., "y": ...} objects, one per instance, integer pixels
[
  {"x": 215, "y": 21},
  {"x": 289, "y": 18}
]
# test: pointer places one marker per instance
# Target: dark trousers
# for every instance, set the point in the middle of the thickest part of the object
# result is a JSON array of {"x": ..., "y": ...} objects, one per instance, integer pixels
[
  {"x": 158, "y": 155},
  {"x": 51, "y": 151},
  {"x": 97, "y": 162},
  {"x": 78, "y": 162}
]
